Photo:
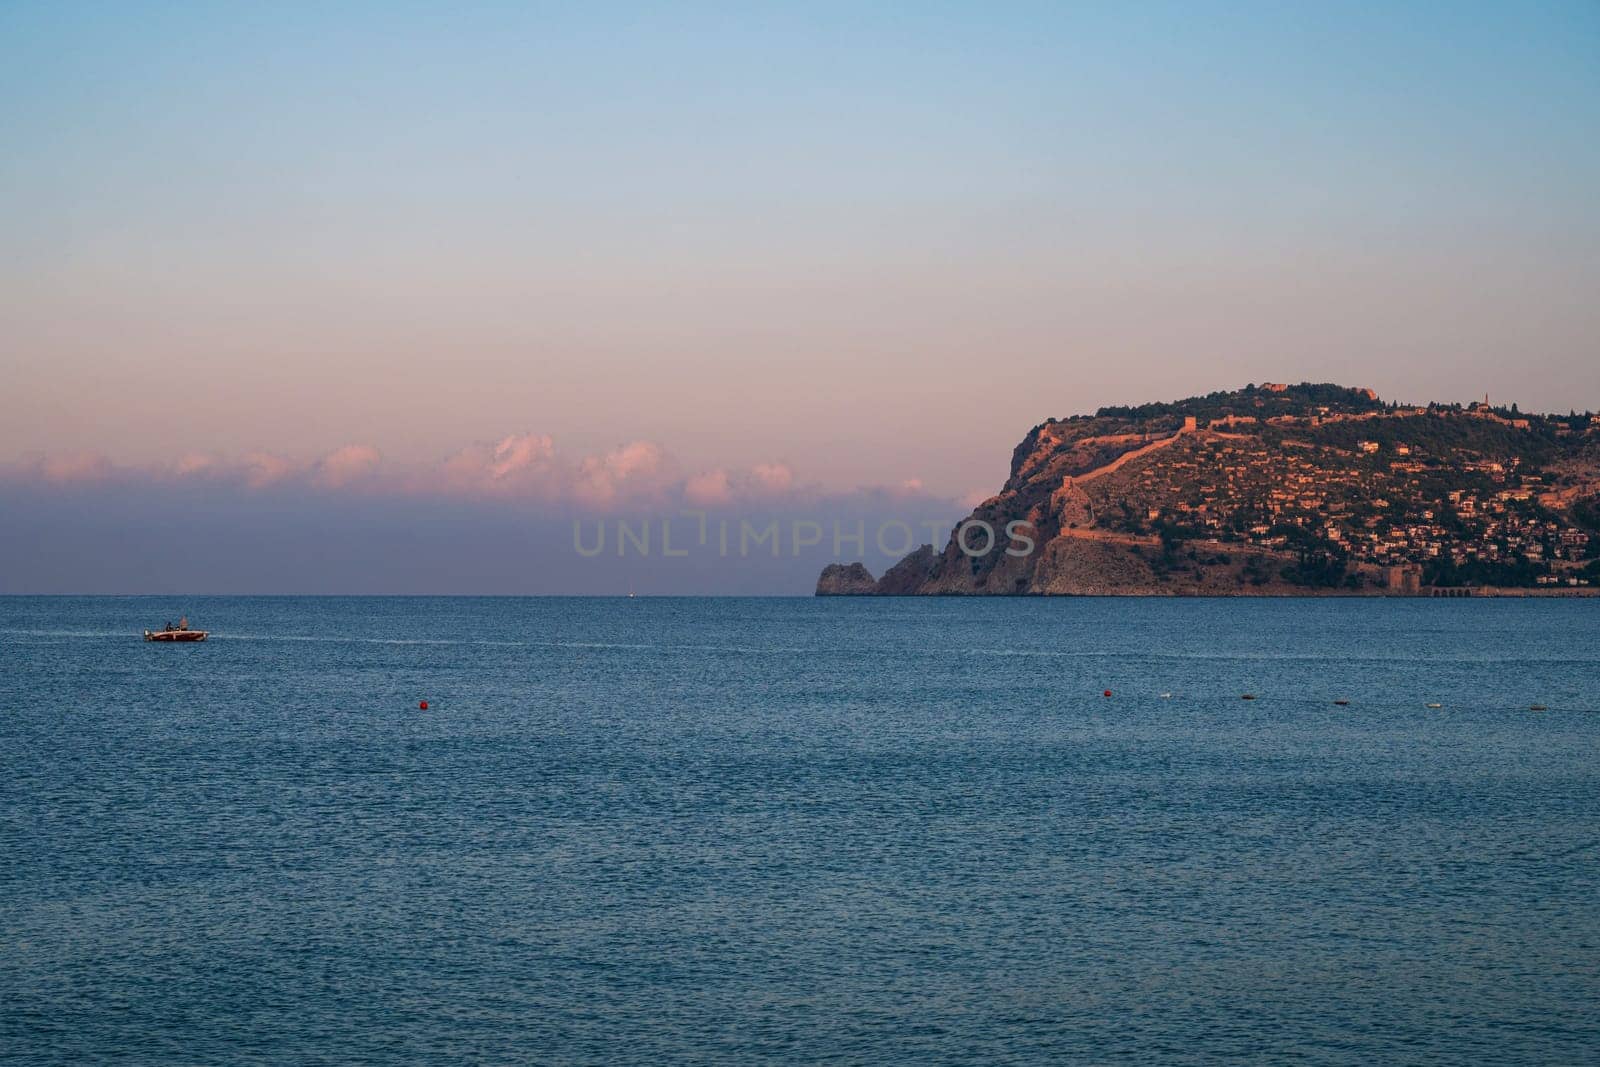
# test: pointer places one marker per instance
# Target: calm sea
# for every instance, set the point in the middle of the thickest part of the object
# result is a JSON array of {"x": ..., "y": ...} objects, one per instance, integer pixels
[{"x": 795, "y": 831}]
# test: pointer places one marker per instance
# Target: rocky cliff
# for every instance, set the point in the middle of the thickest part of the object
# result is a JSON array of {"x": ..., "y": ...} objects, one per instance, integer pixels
[
  {"x": 1281, "y": 490},
  {"x": 846, "y": 579}
]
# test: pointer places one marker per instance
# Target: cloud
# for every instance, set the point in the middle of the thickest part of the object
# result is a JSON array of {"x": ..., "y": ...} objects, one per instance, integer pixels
[
  {"x": 519, "y": 464},
  {"x": 908, "y": 490},
  {"x": 762, "y": 482},
  {"x": 637, "y": 469},
  {"x": 516, "y": 453},
  {"x": 261, "y": 469},
  {"x": 345, "y": 466},
  {"x": 709, "y": 489},
  {"x": 75, "y": 468},
  {"x": 772, "y": 477},
  {"x": 515, "y": 467},
  {"x": 194, "y": 464}
]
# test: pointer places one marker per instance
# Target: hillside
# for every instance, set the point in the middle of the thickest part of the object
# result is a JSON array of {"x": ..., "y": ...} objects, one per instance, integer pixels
[{"x": 1277, "y": 490}]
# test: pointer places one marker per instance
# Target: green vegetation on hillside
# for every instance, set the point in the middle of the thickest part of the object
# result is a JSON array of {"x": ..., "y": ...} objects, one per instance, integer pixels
[{"x": 1254, "y": 401}]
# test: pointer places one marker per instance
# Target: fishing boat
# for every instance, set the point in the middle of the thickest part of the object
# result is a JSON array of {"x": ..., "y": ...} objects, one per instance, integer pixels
[{"x": 180, "y": 632}]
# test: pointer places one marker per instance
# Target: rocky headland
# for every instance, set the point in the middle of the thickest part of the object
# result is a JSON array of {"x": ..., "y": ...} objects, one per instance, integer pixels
[{"x": 1276, "y": 490}]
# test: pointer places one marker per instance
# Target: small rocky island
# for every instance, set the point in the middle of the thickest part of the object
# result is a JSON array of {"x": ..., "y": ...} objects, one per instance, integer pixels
[{"x": 1277, "y": 490}]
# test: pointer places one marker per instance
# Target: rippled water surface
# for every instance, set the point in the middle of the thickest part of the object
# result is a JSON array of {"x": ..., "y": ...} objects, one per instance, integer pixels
[{"x": 855, "y": 831}]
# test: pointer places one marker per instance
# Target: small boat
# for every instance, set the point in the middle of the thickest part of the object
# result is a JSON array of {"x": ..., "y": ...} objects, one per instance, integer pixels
[{"x": 180, "y": 632}]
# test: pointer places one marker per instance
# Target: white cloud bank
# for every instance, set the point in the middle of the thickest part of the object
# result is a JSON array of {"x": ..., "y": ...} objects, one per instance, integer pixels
[{"x": 515, "y": 467}]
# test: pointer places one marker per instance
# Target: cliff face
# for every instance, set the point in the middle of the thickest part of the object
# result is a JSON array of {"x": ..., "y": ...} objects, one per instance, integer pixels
[
  {"x": 1282, "y": 490},
  {"x": 1039, "y": 530},
  {"x": 845, "y": 579}
]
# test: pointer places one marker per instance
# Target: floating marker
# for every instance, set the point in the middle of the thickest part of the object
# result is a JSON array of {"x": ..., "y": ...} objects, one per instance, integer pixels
[
  {"x": 423, "y": 704},
  {"x": 1106, "y": 693}
]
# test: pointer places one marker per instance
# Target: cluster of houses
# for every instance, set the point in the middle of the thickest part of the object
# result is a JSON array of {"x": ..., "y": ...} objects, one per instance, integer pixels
[{"x": 1233, "y": 487}]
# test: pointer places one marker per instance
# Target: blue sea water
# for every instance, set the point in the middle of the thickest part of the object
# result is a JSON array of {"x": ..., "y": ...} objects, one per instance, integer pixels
[{"x": 797, "y": 831}]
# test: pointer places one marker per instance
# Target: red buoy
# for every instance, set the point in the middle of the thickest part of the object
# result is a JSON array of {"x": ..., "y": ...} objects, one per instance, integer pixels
[
  {"x": 423, "y": 705},
  {"x": 1108, "y": 692}
]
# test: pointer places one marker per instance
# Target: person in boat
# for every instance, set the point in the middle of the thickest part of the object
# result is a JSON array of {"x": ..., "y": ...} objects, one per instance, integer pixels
[
  {"x": 170, "y": 627},
  {"x": 183, "y": 622}
]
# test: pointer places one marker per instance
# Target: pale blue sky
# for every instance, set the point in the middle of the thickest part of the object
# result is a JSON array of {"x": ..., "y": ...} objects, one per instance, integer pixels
[{"x": 875, "y": 243}]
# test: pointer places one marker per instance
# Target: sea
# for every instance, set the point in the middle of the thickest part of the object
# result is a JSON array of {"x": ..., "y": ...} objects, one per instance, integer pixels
[{"x": 796, "y": 831}]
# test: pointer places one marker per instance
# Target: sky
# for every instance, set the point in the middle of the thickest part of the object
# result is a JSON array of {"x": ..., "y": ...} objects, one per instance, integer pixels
[{"x": 587, "y": 259}]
